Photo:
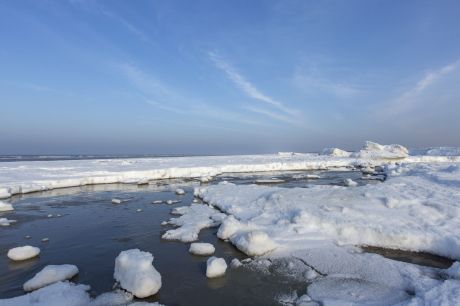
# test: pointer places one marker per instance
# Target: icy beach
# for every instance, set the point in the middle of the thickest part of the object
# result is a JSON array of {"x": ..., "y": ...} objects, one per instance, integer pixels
[{"x": 311, "y": 233}]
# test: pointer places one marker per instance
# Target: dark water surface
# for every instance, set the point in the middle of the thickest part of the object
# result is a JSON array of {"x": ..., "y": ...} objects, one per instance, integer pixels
[{"x": 91, "y": 231}]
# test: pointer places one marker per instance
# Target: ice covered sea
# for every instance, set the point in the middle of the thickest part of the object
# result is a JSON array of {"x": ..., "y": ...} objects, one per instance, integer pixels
[{"x": 302, "y": 227}]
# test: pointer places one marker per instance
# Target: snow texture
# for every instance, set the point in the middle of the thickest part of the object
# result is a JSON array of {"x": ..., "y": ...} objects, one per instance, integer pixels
[
  {"x": 5, "y": 206},
  {"x": 30, "y": 176},
  {"x": 202, "y": 248},
  {"x": 49, "y": 275},
  {"x": 215, "y": 267},
  {"x": 23, "y": 252},
  {"x": 136, "y": 274}
]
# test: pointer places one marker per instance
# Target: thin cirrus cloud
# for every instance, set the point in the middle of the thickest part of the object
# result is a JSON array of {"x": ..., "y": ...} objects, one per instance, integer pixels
[
  {"x": 251, "y": 91},
  {"x": 410, "y": 98},
  {"x": 164, "y": 97}
]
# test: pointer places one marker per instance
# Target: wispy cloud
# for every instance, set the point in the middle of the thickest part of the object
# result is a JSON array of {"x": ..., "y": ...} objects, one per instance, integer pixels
[
  {"x": 307, "y": 82},
  {"x": 162, "y": 96},
  {"x": 410, "y": 98},
  {"x": 248, "y": 88}
]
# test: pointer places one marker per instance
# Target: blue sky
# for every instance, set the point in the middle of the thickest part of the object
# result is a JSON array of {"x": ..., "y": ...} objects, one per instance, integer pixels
[{"x": 221, "y": 77}]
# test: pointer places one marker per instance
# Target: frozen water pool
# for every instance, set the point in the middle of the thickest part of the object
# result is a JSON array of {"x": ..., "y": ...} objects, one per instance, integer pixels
[{"x": 86, "y": 229}]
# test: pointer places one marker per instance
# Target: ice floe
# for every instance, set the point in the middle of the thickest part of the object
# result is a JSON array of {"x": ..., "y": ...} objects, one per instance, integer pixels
[
  {"x": 180, "y": 191},
  {"x": 5, "y": 206},
  {"x": 215, "y": 267},
  {"x": 6, "y": 222},
  {"x": 23, "y": 252},
  {"x": 136, "y": 274},
  {"x": 202, "y": 249},
  {"x": 49, "y": 275}
]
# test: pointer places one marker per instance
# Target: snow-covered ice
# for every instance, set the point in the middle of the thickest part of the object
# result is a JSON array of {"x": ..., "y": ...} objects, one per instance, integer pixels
[
  {"x": 349, "y": 182},
  {"x": 70, "y": 294},
  {"x": 49, "y": 275},
  {"x": 6, "y": 222},
  {"x": 116, "y": 201},
  {"x": 193, "y": 219},
  {"x": 5, "y": 206},
  {"x": 23, "y": 252},
  {"x": 136, "y": 274},
  {"x": 202, "y": 248},
  {"x": 180, "y": 191},
  {"x": 215, "y": 267},
  {"x": 29, "y": 176}
]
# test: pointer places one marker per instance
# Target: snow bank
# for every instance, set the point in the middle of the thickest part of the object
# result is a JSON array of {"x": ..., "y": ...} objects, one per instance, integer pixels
[
  {"x": 136, "y": 274},
  {"x": 454, "y": 270},
  {"x": 202, "y": 248},
  {"x": 49, "y": 275},
  {"x": 5, "y": 206},
  {"x": 215, "y": 267},
  {"x": 23, "y": 253}
]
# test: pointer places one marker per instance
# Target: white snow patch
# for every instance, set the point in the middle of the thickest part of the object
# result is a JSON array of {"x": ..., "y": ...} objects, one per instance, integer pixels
[
  {"x": 6, "y": 222},
  {"x": 193, "y": 219},
  {"x": 374, "y": 150},
  {"x": 116, "y": 201},
  {"x": 202, "y": 248},
  {"x": 349, "y": 182},
  {"x": 180, "y": 191},
  {"x": 253, "y": 243},
  {"x": 454, "y": 270},
  {"x": 5, "y": 206},
  {"x": 58, "y": 294},
  {"x": 336, "y": 152},
  {"x": 23, "y": 252},
  {"x": 49, "y": 275},
  {"x": 136, "y": 274},
  {"x": 215, "y": 267}
]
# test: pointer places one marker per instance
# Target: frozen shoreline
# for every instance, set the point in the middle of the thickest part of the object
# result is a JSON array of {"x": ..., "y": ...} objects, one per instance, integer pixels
[{"x": 27, "y": 177}]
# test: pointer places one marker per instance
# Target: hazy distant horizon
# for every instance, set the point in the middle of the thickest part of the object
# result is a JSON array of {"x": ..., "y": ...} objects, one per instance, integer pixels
[{"x": 227, "y": 77}]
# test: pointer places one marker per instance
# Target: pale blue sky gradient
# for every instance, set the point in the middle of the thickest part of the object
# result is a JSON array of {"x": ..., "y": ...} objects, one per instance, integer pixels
[{"x": 221, "y": 77}]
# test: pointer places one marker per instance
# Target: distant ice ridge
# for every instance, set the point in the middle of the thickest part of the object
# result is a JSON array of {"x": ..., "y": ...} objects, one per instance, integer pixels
[{"x": 24, "y": 177}]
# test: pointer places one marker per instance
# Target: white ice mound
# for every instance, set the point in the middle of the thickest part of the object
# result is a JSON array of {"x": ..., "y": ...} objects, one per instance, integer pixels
[
  {"x": 136, "y": 274},
  {"x": 23, "y": 253},
  {"x": 215, "y": 267},
  {"x": 180, "y": 191},
  {"x": 335, "y": 152},
  {"x": 349, "y": 182},
  {"x": 6, "y": 222},
  {"x": 253, "y": 243},
  {"x": 49, "y": 275},
  {"x": 58, "y": 294},
  {"x": 374, "y": 150},
  {"x": 202, "y": 248},
  {"x": 5, "y": 206}
]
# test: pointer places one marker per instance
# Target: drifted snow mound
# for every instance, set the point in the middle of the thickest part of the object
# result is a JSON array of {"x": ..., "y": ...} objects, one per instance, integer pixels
[
  {"x": 454, "y": 270},
  {"x": 253, "y": 243},
  {"x": 202, "y": 248},
  {"x": 5, "y": 206},
  {"x": 23, "y": 253},
  {"x": 136, "y": 274},
  {"x": 49, "y": 275},
  {"x": 374, "y": 150},
  {"x": 335, "y": 152},
  {"x": 215, "y": 267}
]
